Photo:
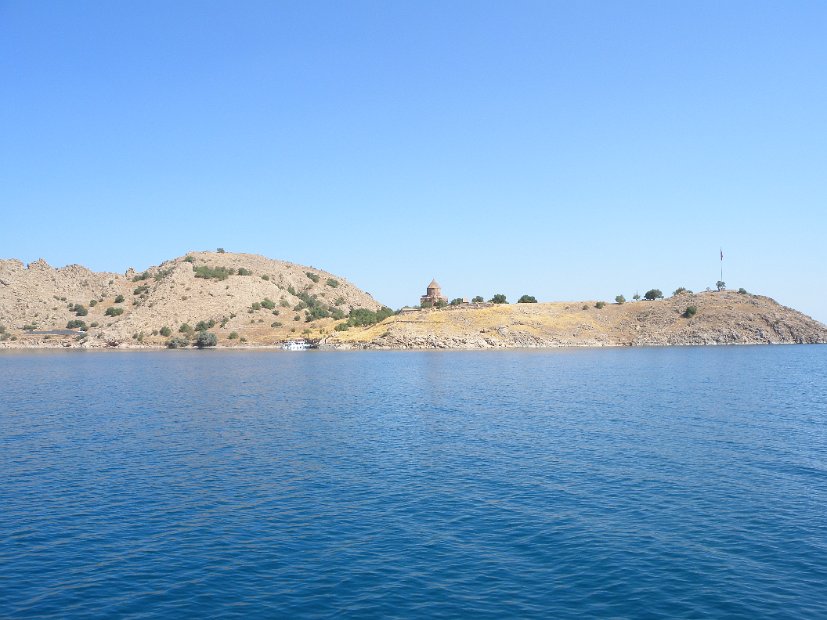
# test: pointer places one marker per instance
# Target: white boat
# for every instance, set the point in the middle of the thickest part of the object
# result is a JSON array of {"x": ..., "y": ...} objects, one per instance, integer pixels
[{"x": 296, "y": 345}]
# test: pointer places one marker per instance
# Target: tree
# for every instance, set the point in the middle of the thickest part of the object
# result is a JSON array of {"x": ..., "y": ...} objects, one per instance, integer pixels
[
  {"x": 499, "y": 298},
  {"x": 653, "y": 294},
  {"x": 720, "y": 285},
  {"x": 600, "y": 305},
  {"x": 206, "y": 339},
  {"x": 742, "y": 291},
  {"x": 690, "y": 312},
  {"x": 680, "y": 290},
  {"x": 527, "y": 299},
  {"x": 456, "y": 301},
  {"x": 620, "y": 299},
  {"x": 478, "y": 299},
  {"x": 636, "y": 296}
]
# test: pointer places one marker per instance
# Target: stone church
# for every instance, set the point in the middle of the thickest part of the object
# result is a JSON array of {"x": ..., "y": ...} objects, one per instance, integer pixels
[{"x": 433, "y": 294}]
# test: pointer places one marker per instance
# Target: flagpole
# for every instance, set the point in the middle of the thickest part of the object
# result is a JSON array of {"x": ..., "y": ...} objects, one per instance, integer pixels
[{"x": 722, "y": 264}]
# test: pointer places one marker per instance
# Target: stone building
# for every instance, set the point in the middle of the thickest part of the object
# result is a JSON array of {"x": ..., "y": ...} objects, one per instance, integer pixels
[{"x": 433, "y": 295}]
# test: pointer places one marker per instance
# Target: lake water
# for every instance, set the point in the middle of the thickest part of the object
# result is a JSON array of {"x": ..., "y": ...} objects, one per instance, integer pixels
[{"x": 639, "y": 483}]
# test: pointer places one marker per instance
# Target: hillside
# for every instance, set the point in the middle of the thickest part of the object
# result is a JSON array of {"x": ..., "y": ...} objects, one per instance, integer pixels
[
  {"x": 722, "y": 318},
  {"x": 254, "y": 299}
]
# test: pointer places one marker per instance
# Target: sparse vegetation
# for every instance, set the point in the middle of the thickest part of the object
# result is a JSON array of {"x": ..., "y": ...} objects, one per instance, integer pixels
[
  {"x": 600, "y": 305},
  {"x": 339, "y": 301},
  {"x": 220, "y": 250},
  {"x": 75, "y": 324},
  {"x": 652, "y": 294},
  {"x": 363, "y": 316},
  {"x": 93, "y": 303},
  {"x": 681, "y": 290},
  {"x": 30, "y": 327},
  {"x": 743, "y": 291},
  {"x": 457, "y": 301},
  {"x": 585, "y": 306},
  {"x": 113, "y": 311},
  {"x": 79, "y": 309},
  {"x": 140, "y": 277},
  {"x": 203, "y": 326},
  {"x": 119, "y": 299},
  {"x": 255, "y": 306},
  {"x": 178, "y": 343},
  {"x": 211, "y": 273},
  {"x": 332, "y": 283},
  {"x": 233, "y": 336},
  {"x": 189, "y": 259},
  {"x": 690, "y": 312},
  {"x": 268, "y": 303},
  {"x": 499, "y": 298},
  {"x": 527, "y": 299},
  {"x": 265, "y": 277},
  {"x": 165, "y": 331},
  {"x": 140, "y": 290},
  {"x": 276, "y": 324},
  {"x": 636, "y": 296},
  {"x": 244, "y": 272},
  {"x": 620, "y": 299},
  {"x": 312, "y": 276},
  {"x": 185, "y": 328},
  {"x": 478, "y": 299}
]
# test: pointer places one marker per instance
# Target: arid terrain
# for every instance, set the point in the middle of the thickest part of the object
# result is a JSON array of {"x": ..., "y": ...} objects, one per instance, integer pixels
[{"x": 250, "y": 300}]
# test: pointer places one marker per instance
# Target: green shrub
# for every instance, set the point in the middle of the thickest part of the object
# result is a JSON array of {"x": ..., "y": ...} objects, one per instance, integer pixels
[
  {"x": 742, "y": 291},
  {"x": 80, "y": 310},
  {"x": 620, "y": 299},
  {"x": 363, "y": 316},
  {"x": 527, "y": 299},
  {"x": 140, "y": 277},
  {"x": 636, "y": 297},
  {"x": 140, "y": 290},
  {"x": 166, "y": 331},
  {"x": 339, "y": 301},
  {"x": 337, "y": 314},
  {"x": 297, "y": 318},
  {"x": 119, "y": 299},
  {"x": 456, "y": 301},
  {"x": 440, "y": 303},
  {"x": 332, "y": 283},
  {"x": 161, "y": 274},
  {"x": 681, "y": 290},
  {"x": 93, "y": 324},
  {"x": 93, "y": 303},
  {"x": 220, "y": 250},
  {"x": 244, "y": 272},
  {"x": 720, "y": 285},
  {"x": 211, "y": 273},
  {"x": 284, "y": 303},
  {"x": 499, "y": 298},
  {"x": 189, "y": 259},
  {"x": 75, "y": 323},
  {"x": 276, "y": 324},
  {"x": 600, "y": 305},
  {"x": 29, "y": 327},
  {"x": 233, "y": 335},
  {"x": 177, "y": 343},
  {"x": 255, "y": 306},
  {"x": 206, "y": 339},
  {"x": 2, "y": 329},
  {"x": 203, "y": 326},
  {"x": 312, "y": 276},
  {"x": 585, "y": 306},
  {"x": 653, "y": 294},
  {"x": 243, "y": 339},
  {"x": 113, "y": 311},
  {"x": 265, "y": 277},
  {"x": 342, "y": 327},
  {"x": 478, "y": 299},
  {"x": 690, "y": 312},
  {"x": 185, "y": 329},
  {"x": 268, "y": 303}
]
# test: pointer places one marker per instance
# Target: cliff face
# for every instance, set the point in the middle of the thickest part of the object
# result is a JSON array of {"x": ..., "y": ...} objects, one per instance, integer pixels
[
  {"x": 721, "y": 318},
  {"x": 167, "y": 296}
]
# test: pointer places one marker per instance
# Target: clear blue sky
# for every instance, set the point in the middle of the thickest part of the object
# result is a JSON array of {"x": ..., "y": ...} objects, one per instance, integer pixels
[{"x": 568, "y": 150}]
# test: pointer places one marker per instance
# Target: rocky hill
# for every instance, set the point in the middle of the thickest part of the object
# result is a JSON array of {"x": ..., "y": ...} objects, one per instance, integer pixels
[
  {"x": 250, "y": 300},
  {"x": 242, "y": 298},
  {"x": 720, "y": 318}
]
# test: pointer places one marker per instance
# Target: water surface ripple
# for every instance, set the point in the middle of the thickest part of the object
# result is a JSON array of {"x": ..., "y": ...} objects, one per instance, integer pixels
[{"x": 637, "y": 483}]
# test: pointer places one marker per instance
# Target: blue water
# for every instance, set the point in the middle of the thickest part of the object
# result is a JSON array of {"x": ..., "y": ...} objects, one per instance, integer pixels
[{"x": 640, "y": 483}]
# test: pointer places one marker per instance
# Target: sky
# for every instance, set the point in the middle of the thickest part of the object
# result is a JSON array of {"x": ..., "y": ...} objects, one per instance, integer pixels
[{"x": 565, "y": 150}]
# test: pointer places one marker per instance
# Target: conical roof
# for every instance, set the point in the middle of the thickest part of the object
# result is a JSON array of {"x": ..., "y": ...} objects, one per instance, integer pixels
[{"x": 434, "y": 284}]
